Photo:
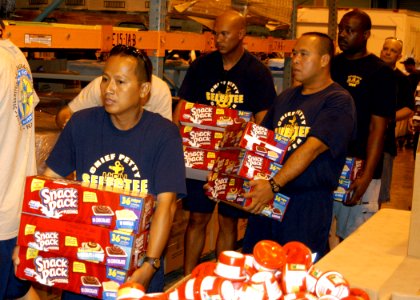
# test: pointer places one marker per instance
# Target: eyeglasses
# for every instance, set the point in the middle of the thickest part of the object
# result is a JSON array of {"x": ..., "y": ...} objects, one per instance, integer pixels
[
  {"x": 395, "y": 39},
  {"x": 136, "y": 53}
]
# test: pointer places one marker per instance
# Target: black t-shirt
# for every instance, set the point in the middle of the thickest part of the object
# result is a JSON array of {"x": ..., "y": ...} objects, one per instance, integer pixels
[
  {"x": 328, "y": 115},
  {"x": 372, "y": 85},
  {"x": 247, "y": 86},
  {"x": 414, "y": 79},
  {"x": 405, "y": 98}
]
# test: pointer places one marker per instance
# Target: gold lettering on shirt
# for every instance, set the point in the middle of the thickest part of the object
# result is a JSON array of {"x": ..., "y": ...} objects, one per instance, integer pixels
[
  {"x": 353, "y": 80},
  {"x": 293, "y": 125}
]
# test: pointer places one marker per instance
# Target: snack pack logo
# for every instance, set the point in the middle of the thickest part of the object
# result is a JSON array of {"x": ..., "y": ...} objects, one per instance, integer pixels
[
  {"x": 259, "y": 131},
  {"x": 51, "y": 270},
  {"x": 292, "y": 125},
  {"x": 254, "y": 162},
  {"x": 193, "y": 158},
  {"x": 200, "y": 138},
  {"x": 220, "y": 185},
  {"x": 225, "y": 94},
  {"x": 57, "y": 202},
  {"x": 201, "y": 114},
  {"x": 353, "y": 80},
  {"x": 46, "y": 241},
  {"x": 24, "y": 97}
]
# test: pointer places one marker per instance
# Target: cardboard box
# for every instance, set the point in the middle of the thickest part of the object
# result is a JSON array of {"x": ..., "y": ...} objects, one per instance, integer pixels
[
  {"x": 174, "y": 256},
  {"x": 352, "y": 169},
  {"x": 259, "y": 139},
  {"x": 199, "y": 158},
  {"x": 201, "y": 138},
  {"x": 119, "y": 5},
  {"x": 210, "y": 117},
  {"x": 245, "y": 164},
  {"x": 76, "y": 202},
  {"x": 86, "y": 278},
  {"x": 114, "y": 248},
  {"x": 230, "y": 190}
]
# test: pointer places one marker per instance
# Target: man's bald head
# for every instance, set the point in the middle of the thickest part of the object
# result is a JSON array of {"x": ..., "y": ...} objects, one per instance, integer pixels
[
  {"x": 230, "y": 30},
  {"x": 233, "y": 18}
]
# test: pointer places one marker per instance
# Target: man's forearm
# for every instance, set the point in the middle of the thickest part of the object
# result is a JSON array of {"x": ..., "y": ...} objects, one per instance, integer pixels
[
  {"x": 374, "y": 144},
  {"x": 299, "y": 161}
]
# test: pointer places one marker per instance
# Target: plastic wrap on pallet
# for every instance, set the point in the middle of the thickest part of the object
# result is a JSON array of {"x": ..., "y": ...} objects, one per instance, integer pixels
[{"x": 271, "y": 10}]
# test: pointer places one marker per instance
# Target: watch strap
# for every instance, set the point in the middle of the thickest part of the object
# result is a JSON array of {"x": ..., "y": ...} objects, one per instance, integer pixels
[
  {"x": 275, "y": 187},
  {"x": 154, "y": 262}
]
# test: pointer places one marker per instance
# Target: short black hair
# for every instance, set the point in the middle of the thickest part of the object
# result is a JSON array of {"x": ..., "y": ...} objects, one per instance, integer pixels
[
  {"x": 143, "y": 61},
  {"x": 326, "y": 42},
  {"x": 364, "y": 18}
]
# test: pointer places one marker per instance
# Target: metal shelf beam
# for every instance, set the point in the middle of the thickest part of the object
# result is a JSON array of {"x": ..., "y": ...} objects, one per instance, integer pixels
[{"x": 37, "y": 35}]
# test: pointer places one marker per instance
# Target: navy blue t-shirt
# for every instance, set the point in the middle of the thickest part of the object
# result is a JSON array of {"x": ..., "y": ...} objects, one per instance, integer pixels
[
  {"x": 146, "y": 158},
  {"x": 247, "y": 86},
  {"x": 328, "y": 115}
]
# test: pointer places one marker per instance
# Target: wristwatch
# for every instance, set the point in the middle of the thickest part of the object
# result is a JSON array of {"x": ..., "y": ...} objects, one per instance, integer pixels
[
  {"x": 155, "y": 262},
  {"x": 275, "y": 188}
]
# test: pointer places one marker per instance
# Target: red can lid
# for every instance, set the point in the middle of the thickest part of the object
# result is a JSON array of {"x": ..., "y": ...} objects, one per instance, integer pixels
[
  {"x": 359, "y": 293},
  {"x": 204, "y": 269},
  {"x": 269, "y": 254},
  {"x": 298, "y": 253}
]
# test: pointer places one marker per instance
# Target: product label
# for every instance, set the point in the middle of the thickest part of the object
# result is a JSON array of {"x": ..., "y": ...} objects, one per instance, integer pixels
[{"x": 57, "y": 202}]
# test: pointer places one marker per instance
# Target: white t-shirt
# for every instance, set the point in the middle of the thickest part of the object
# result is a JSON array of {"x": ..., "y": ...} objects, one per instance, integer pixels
[
  {"x": 17, "y": 134},
  {"x": 160, "y": 100}
]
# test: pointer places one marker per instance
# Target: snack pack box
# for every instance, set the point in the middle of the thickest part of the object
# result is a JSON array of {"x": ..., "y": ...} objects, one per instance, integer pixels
[
  {"x": 210, "y": 117},
  {"x": 205, "y": 139},
  {"x": 77, "y": 202},
  {"x": 259, "y": 139},
  {"x": 114, "y": 248},
  {"x": 246, "y": 164},
  {"x": 199, "y": 158},
  {"x": 342, "y": 194},
  {"x": 82, "y": 277},
  {"x": 230, "y": 190},
  {"x": 352, "y": 169}
]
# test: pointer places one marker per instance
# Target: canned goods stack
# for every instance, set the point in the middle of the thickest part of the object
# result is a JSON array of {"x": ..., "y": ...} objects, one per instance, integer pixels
[{"x": 272, "y": 272}]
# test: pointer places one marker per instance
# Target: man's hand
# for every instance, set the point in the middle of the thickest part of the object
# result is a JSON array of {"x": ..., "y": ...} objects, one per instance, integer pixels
[
  {"x": 63, "y": 116},
  {"x": 260, "y": 194},
  {"x": 358, "y": 187},
  {"x": 143, "y": 275},
  {"x": 15, "y": 257}
]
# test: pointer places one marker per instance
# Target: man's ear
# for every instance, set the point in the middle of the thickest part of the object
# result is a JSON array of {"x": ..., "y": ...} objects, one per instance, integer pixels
[
  {"x": 145, "y": 89},
  {"x": 242, "y": 33},
  {"x": 325, "y": 60},
  {"x": 366, "y": 34}
]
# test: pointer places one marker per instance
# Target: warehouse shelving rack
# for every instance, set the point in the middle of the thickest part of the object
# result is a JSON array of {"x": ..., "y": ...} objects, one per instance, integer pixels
[{"x": 40, "y": 36}]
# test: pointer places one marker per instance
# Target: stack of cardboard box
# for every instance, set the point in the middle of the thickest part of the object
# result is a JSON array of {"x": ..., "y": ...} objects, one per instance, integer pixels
[{"x": 79, "y": 238}]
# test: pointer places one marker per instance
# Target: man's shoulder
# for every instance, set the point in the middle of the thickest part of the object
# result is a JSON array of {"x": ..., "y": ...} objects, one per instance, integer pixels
[
  {"x": 157, "y": 121},
  {"x": 252, "y": 59},
  {"x": 208, "y": 58},
  {"x": 156, "y": 80}
]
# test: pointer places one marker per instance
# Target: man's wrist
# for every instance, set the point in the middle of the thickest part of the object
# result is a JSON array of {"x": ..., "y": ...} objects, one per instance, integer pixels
[
  {"x": 275, "y": 187},
  {"x": 153, "y": 262}
]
